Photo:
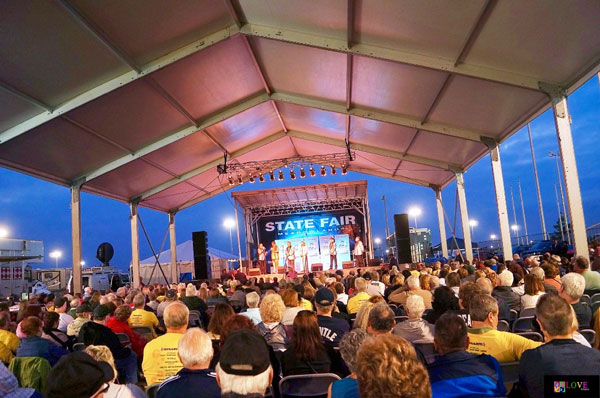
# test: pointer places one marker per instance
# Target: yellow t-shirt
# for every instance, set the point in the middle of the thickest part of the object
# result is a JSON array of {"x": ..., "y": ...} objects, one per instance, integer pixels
[
  {"x": 504, "y": 346},
  {"x": 307, "y": 305},
  {"x": 160, "y": 358},
  {"x": 355, "y": 302},
  {"x": 141, "y": 317},
  {"x": 8, "y": 345}
]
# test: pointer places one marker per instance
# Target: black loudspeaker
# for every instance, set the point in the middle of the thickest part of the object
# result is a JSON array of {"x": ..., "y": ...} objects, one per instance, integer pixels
[
  {"x": 201, "y": 258},
  {"x": 402, "y": 238}
]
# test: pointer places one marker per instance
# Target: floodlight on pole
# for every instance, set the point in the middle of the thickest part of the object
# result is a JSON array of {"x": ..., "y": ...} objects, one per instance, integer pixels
[
  {"x": 473, "y": 224},
  {"x": 414, "y": 212},
  {"x": 229, "y": 223},
  {"x": 82, "y": 263},
  {"x": 55, "y": 254},
  {"x": 493, "y": 236},
  {"x": 3, "y": 232},
  {"x": 377, "y": 240}
]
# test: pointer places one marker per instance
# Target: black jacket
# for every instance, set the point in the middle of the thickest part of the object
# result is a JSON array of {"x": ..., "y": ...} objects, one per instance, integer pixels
[{"x": 96, "y": 334}]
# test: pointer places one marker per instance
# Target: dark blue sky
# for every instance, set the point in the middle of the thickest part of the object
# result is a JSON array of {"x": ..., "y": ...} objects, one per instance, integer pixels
[{"x": 34, "y": 209}]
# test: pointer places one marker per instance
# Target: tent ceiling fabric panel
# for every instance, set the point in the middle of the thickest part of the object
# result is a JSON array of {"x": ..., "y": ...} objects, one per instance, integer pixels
[{"x": 140, "y": 103}]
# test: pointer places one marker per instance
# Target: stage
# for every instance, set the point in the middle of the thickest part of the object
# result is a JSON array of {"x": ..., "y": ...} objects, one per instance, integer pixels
[{"x": 346, "y": 272}]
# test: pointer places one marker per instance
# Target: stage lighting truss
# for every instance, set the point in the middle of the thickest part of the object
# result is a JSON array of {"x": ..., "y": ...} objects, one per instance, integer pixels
[
  {"x": 307, "y": 207},
  {"x": 258, "y": 170}
]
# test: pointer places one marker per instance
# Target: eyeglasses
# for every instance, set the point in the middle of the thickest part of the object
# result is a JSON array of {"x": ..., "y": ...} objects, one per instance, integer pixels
[{"x": 104, "y": 388}]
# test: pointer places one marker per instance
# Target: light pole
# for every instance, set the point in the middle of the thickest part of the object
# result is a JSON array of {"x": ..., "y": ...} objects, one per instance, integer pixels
[
  {"x": 515, "y": 228},
  {"x": 473, "y": 224},
  {"x": 377, "y": 243},
  {"x": 55, "y": 254},
  {"x": 562, "y": 196},
  {"x": 414, "y": 212},
  {"x": 229, "y": 223},
  {"x": 3, "y": 232}
]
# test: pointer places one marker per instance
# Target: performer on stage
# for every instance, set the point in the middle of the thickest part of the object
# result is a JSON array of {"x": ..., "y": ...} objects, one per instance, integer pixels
[
  {"x": 332, "y": 253},
  {"x": 262, "y": 256},
  {"x": 359, "y": 253},
  {"x": 290, "y": 256},
  {"x": 304, "y": 256},
  {"x": 274, "y": 256}
]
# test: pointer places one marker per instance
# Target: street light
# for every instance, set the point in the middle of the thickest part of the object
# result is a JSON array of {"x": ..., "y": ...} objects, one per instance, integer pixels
[
  {"x": 82, "y": 263},
  {"x": 493, "y": 236},
  {"x": 414, "y": 212},
  {"x": 3, "y": 232},
  {"x": 229, "y": 223},
  {"x": 55, "y": 254},
  {"x": 473, "y": 224},
  {"x": 377, "y": 242},
  {"x": 515, "y": 228}
]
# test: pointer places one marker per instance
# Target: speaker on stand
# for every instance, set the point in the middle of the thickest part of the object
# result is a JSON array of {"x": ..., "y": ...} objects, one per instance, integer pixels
[
  {"x": 202, "y": 269},
  {"x": 402, "y": 238}
]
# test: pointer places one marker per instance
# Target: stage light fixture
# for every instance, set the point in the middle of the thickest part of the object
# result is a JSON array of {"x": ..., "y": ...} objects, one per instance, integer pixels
[
  {"x": 251, "y": 179},
  {"x": 344, "y": 169},
  {"x": 323, "y": 171},
  {"x": 271, "y": 176},
  {"x": 333, "y": 170},
  {"x": 302, "y": 172},
  {"x": 280, "y": 175},
  {"x": 261, "y": 178},
  {"x": 311, "y": 171},
  {"x": 292, "y": 174},
  {"x": 239, "y": 179},
  {"x": 230, "y": 179}
]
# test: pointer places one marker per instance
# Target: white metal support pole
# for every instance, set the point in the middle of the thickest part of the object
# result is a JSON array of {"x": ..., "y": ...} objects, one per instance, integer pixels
[
  {"x": 173, "y": 247},
  {"x": 441, "y": 224},
  {"x": 371, "y": 253},
  {"x": 569, "y": 166},
  {"x": 537, "y": 185},
  {"x": 464, "y": 216},
  {"x": 76, "y": 236},
  {"x": 237, "y": 231},
  {"x": 501, "y": 203},
  {"x": 135, "y": 246}
]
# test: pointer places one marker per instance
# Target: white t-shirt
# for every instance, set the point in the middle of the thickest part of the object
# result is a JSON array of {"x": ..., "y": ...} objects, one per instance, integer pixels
[
  {"x": 64, "y": 321},
  {"x": 359, "y": 249}
]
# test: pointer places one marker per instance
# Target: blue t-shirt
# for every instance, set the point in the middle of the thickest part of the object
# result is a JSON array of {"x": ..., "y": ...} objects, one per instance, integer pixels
[
  {"x": 189, "y": 383},
  {"x": 345, "y": 388},
  {"x": 332, "y": 329}
]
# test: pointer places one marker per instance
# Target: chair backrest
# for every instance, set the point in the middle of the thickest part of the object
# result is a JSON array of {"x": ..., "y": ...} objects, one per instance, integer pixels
[
  {"x": 589, "y": 334},
  {"x": 585, "y": 299},
  {"x": 426, "y": 348},
  {"x": 151, "y": 390},
  {"x": 31, "y": 372},
  {"x": 595, "y": 298},
  {"x": 312, "y": 385},
  {"x": 524, "y": 324},
  {"x": 144, "y": 331},
  {"x": 194, "y": 319},
  {"x": 513, "y": 315},
  {"x": 595, "y": 306},
  {"x": 400, "y": 318},
  {"x": 289, "y": 331},
  {"x": 123, "y": 338},
  {"x": 503, "y": 326},
  {"x": 510, "y": 372},
  {"x": 535, "y": 336},
  {"x": 527, "y": 312},
  {"x": 78, "y": 347}
]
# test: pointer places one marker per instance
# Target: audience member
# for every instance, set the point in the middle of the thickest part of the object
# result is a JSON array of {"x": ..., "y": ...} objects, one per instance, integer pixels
[
  {"x": 61, "y": 307},
  {"x": 332, "y": 329},
  {"x": 560, "y": 355},
  {"x": 306, "y": 353},
  {"x": 102, "y": 353},
  {"x": 503, "y": 291},
  {"x": 291, "y": 300},
  {"x": 118, "y": 324},
  {"x": 485, "y": 339},
  {"x": 592, "y": 278},
  {"x": 220, "y": 315},
  {"x": 356, "y": 301},
  {"x": 387, "y": 367},
  {"x": 349, "y": 346},
  {"x": 160, "y": 355},
  {"x": 141, "y": 317},
  {"x": 271, "y": 328},
  {"x": 195, "y": 352},
  {"x": 253, "y": 312},
  {"x": 444, "y": 300},
  {"x": 341, "y": 293},
  {"x": 170, "y": 297},
  {"x": 551, "y": 277},
  {"x": 33, "y": 345},
  {"x": 51, "y": 333},
  {"x": 381, "y": 319},
  {"x": 9, "y": 386},
  {"x": 84, "y": 315},
  {"x": 458, "y": 373},
  {"x": 244, "y": 369},
  {"x": 573, "y": 286},
  {"x": 415, "y": 328},
  {"x": 414, "y": 288},
  {"x": 78, "y": 375},
  {"x": 8, "y": 340},
  {"x": 534, "y": 289}
]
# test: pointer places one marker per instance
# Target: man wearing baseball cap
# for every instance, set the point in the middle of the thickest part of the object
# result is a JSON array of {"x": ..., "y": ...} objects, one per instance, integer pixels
[
  {"x": 332, "y": 329},
  {"x": 84, "y": 315},
  {"x": 78, "y": 375},
  {"x": 61, "y": 306},
  {"x": 244, "y": 369}
]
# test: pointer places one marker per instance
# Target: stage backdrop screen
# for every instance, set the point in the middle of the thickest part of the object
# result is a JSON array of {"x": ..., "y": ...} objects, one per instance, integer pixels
[{"x": 314, "y": 229}]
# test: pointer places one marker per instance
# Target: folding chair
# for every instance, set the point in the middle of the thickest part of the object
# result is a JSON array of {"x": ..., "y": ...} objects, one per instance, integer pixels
[
  {"x": 503, "y": 326},
  {"x": 78, "y": 347},
  {"x": 535, "y": 336},
  {"x": 426, "y": 348},
  {"x": 525, "y": 312},
  {"x": 312, "y": 385},
  {"x": 586, "y": 299},
  {"x": 595, "y": 307},
  {"x": 143, "y": 331},
  {"x": 124, "y": 339},
  {"x": 589, "y": 334},
  {"x": 595, "y": 297},
  {"x": 401, "y": 318},
  {"x": 151, "y": 390},
  {"x": 194, "y": 319},
  {"x": 524, "y": 324},
  {"x": 510, "y": 372}
]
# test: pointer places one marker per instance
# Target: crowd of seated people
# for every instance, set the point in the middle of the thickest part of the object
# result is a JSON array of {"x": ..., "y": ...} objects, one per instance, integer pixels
[{"x": 442, "y": 330}]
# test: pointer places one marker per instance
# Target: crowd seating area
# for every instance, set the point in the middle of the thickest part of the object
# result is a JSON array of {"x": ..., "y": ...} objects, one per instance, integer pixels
[{"x": 447, "y": 330}]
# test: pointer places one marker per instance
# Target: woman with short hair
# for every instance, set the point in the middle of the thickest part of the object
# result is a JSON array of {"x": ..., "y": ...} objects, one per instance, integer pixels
[
  {"x": 349, "y": 346},
  {"x": 291, "y": 300},
  {"x": 220, "y": 315},
  {"x": 534, "y": 289},
  {"x": 414, "y": 328},
  {"x": 307, "y": 353},
  {"x": 271, "y": 328},
  {"x": 102, "y": 353},
  {"x": 51, "y": 333},
  {"x": 33, "y": 345}
]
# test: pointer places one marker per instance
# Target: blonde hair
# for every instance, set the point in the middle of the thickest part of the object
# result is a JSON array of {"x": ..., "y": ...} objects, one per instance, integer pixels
[
  {"x": 190, "y": 290},
  {"x": 102, "y": 353},
  {"x": 387, "y": 367},
  {"x": 362, "y": 316},
  {"x": 272, "y": 308},
  {"x": 360, "y": 284}
]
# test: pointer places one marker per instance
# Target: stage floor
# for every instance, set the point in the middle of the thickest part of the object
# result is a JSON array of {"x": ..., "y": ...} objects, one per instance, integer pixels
[{"x": 345, "y": 271}]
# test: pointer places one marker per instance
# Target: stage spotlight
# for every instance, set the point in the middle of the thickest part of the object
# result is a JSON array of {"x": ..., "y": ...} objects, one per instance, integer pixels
[
  {"x": 251, "y": 179},
  {"x": 333, "y": 170},
  {"x": 311, "y": 171},
  {"x": 323, "y": 171},
  {"x": 302, "y": 172},
  {"x": 230, "y": 179},
  {"x": 239, "y": 179},
  {"x": 292, "y": 174},
  {"x": 344, "y": 169},
  {"x": 261, "y": 178},
  {"x": 280, "y": 175},
  {"x": 271, "y": 176}
]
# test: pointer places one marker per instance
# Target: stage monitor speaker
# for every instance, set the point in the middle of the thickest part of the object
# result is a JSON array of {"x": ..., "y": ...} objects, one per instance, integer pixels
[
  {"x": 201, "y": 258},
  {"x": 402, "y": 238}
]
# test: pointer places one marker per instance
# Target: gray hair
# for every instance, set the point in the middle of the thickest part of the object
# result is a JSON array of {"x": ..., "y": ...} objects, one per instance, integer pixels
[
  {"x": 573, "y": 285},
  {"x": 195, "y": 348},
  {"x": 415, "y": 307},
  {"x": 381, "y": 317},
  {"x": 139, "y": 300},
  {"x": 252, "y": 300},
  {"x": 190, "y": 290},
  {"x": 349, "y": 346},
  {"x": 360, "y": 284},
  {"x": 243, "y": 385},
  {"x": 176, "y": 315},
  {"x": 539, "y": 272},
  {"x": 481, "y": 305},
  {"x": 413, "y": 282},
  {"x": 485, "y": 284},
  {"x": 506, "y": 278}
]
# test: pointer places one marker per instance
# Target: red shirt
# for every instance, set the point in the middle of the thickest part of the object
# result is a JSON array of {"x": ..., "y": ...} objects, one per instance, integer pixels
[{"x": 137, "y": 342}]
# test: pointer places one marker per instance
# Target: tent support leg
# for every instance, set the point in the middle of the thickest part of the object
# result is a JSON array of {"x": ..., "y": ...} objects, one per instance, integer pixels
[
  {"x": 173, "y": 244},
  {"x": 441, "y": 224},
  {"x": 76, "y": 236},
  {"x": 135, "y": 246},
  {"x": 237, "y": 231},
  {"x": 501, "y": 203},
  {"x": 464, "y": 216}
]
